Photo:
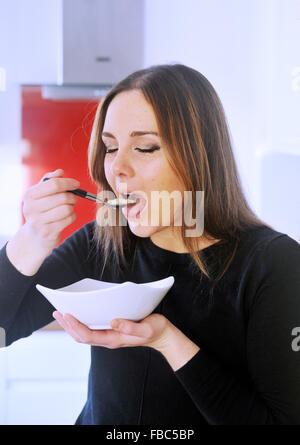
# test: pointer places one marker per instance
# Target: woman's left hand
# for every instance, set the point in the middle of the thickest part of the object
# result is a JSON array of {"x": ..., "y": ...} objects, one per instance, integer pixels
[
  {"x": 151, "y": 331},
  {"x": 155, "y": 331}
]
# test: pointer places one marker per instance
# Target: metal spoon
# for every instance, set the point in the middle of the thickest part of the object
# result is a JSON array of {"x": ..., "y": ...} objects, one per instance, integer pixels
[{"x": 111, "y": 203}]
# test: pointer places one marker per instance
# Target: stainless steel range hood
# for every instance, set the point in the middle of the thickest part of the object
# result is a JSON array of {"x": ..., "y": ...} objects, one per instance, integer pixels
[
  {"x": 77, "y": 48},
  {"x": 74, "y": 92}
]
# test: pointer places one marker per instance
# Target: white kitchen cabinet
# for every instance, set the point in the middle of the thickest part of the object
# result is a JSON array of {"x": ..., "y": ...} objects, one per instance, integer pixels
[
  {"x": 44, "y": 402},
  {"x": 75, "y": 42},
  {"x": 43, "y": 379}
]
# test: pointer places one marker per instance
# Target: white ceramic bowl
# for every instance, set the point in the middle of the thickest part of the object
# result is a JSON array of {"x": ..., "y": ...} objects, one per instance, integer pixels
[{"x": 95, "y": 303}]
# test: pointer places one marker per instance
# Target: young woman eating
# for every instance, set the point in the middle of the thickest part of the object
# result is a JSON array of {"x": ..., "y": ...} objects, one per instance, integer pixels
[{"x": 217, "y": 350}]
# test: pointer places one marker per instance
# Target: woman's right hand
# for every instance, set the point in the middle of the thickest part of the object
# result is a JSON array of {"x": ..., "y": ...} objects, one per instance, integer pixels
[{"x": 49, "y": 208}]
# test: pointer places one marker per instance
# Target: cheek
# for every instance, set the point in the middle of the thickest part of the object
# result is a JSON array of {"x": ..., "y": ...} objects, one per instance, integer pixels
[
  {"x": 157, "y": 174},
  {"x": 165, "y": 179},
  {"x": 107, "y": 171}
]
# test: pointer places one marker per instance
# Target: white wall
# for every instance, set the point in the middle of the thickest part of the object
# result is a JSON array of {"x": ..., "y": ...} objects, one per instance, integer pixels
[
  {"x": 10, "y": 135},
  {"x": 249, "y": 51},
  {"x": 10, "y": 162},
  {"x": 43, "y": 379},
  {"x": 216, "y": 38}
]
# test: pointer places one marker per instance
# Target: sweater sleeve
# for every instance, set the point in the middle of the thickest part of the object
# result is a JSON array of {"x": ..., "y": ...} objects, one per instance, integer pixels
[
  {"x": 23, "y": 309},
  {"x": 271, "y": 393}
]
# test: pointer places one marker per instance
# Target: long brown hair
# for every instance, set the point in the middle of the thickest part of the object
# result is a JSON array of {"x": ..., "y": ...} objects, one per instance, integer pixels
[{"x": 192, "y": 125}]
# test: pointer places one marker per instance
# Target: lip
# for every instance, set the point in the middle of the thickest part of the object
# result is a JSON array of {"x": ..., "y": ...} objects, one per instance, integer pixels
[
  {"x": 121, "y": 192},
  {"x": 140, "y": 205},
  {"x": 131, "y": 195}
]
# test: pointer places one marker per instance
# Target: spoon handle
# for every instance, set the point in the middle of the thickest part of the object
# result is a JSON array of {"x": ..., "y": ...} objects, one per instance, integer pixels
[{"x": 90, "y": 196}]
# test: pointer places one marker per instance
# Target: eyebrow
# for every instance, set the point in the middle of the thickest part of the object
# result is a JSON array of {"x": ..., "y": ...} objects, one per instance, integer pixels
[{"x": 132, "y": 134}]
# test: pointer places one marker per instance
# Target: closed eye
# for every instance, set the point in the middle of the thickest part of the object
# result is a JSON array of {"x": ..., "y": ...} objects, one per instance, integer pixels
[
  {"x": 141, "y": 150},
  {"x": 148, "y": 150}
]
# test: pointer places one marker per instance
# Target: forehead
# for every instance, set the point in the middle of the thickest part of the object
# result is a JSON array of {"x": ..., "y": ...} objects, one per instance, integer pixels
[{"x": 130, "y": 108}]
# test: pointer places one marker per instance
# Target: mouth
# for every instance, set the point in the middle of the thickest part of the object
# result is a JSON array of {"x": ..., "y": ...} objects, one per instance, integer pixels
[{"x": 133, "y": 211}]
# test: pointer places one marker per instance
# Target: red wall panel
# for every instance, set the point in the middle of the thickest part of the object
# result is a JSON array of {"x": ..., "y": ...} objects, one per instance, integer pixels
[{"x": 55, "y": 134}]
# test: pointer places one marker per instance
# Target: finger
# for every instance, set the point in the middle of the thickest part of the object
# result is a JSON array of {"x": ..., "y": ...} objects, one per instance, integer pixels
[
  {"x": 57, "y": 214},
  {"x": 81, "y": 329},
  {"x": 51, "y": 230},
  {"x": 65, "y": 325},
  {"x": 138, "y": 329},
  {"x": 53, "y": 186},
  {"x": 54, "y": 174},
  {"x": 105, "y": 337},
  {"x": 51, "y": 202}
]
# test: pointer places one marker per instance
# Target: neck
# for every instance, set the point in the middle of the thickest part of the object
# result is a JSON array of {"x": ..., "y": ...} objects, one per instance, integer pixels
[{"x": 170, "y": 240}]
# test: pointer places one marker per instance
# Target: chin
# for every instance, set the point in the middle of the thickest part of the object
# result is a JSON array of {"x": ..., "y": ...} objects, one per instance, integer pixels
[{"x": 141, "y": 230}]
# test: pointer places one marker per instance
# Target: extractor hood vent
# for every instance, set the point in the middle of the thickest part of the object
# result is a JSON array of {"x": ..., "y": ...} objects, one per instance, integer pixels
[
  {"x": 83, "y": 45},
  {"x": 74, "y": 92}
]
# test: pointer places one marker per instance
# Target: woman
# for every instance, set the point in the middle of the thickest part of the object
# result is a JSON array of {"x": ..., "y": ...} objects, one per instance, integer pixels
[{"x": 217, "y": 350}]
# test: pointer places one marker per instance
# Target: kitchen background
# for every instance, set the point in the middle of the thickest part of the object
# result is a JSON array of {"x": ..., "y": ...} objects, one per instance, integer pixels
[{"x": 58, "y": 57}]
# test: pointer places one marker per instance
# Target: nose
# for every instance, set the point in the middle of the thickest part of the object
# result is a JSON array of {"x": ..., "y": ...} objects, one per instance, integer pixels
[{"x": 121, "y": 165}]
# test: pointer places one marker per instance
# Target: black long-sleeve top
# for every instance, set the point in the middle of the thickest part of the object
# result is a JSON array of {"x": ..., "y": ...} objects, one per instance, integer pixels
[{"x": 246, "y": 371}]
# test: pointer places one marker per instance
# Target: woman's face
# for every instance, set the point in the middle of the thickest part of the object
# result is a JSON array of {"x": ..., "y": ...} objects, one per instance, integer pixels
[{"x": 130, "y": 127}]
